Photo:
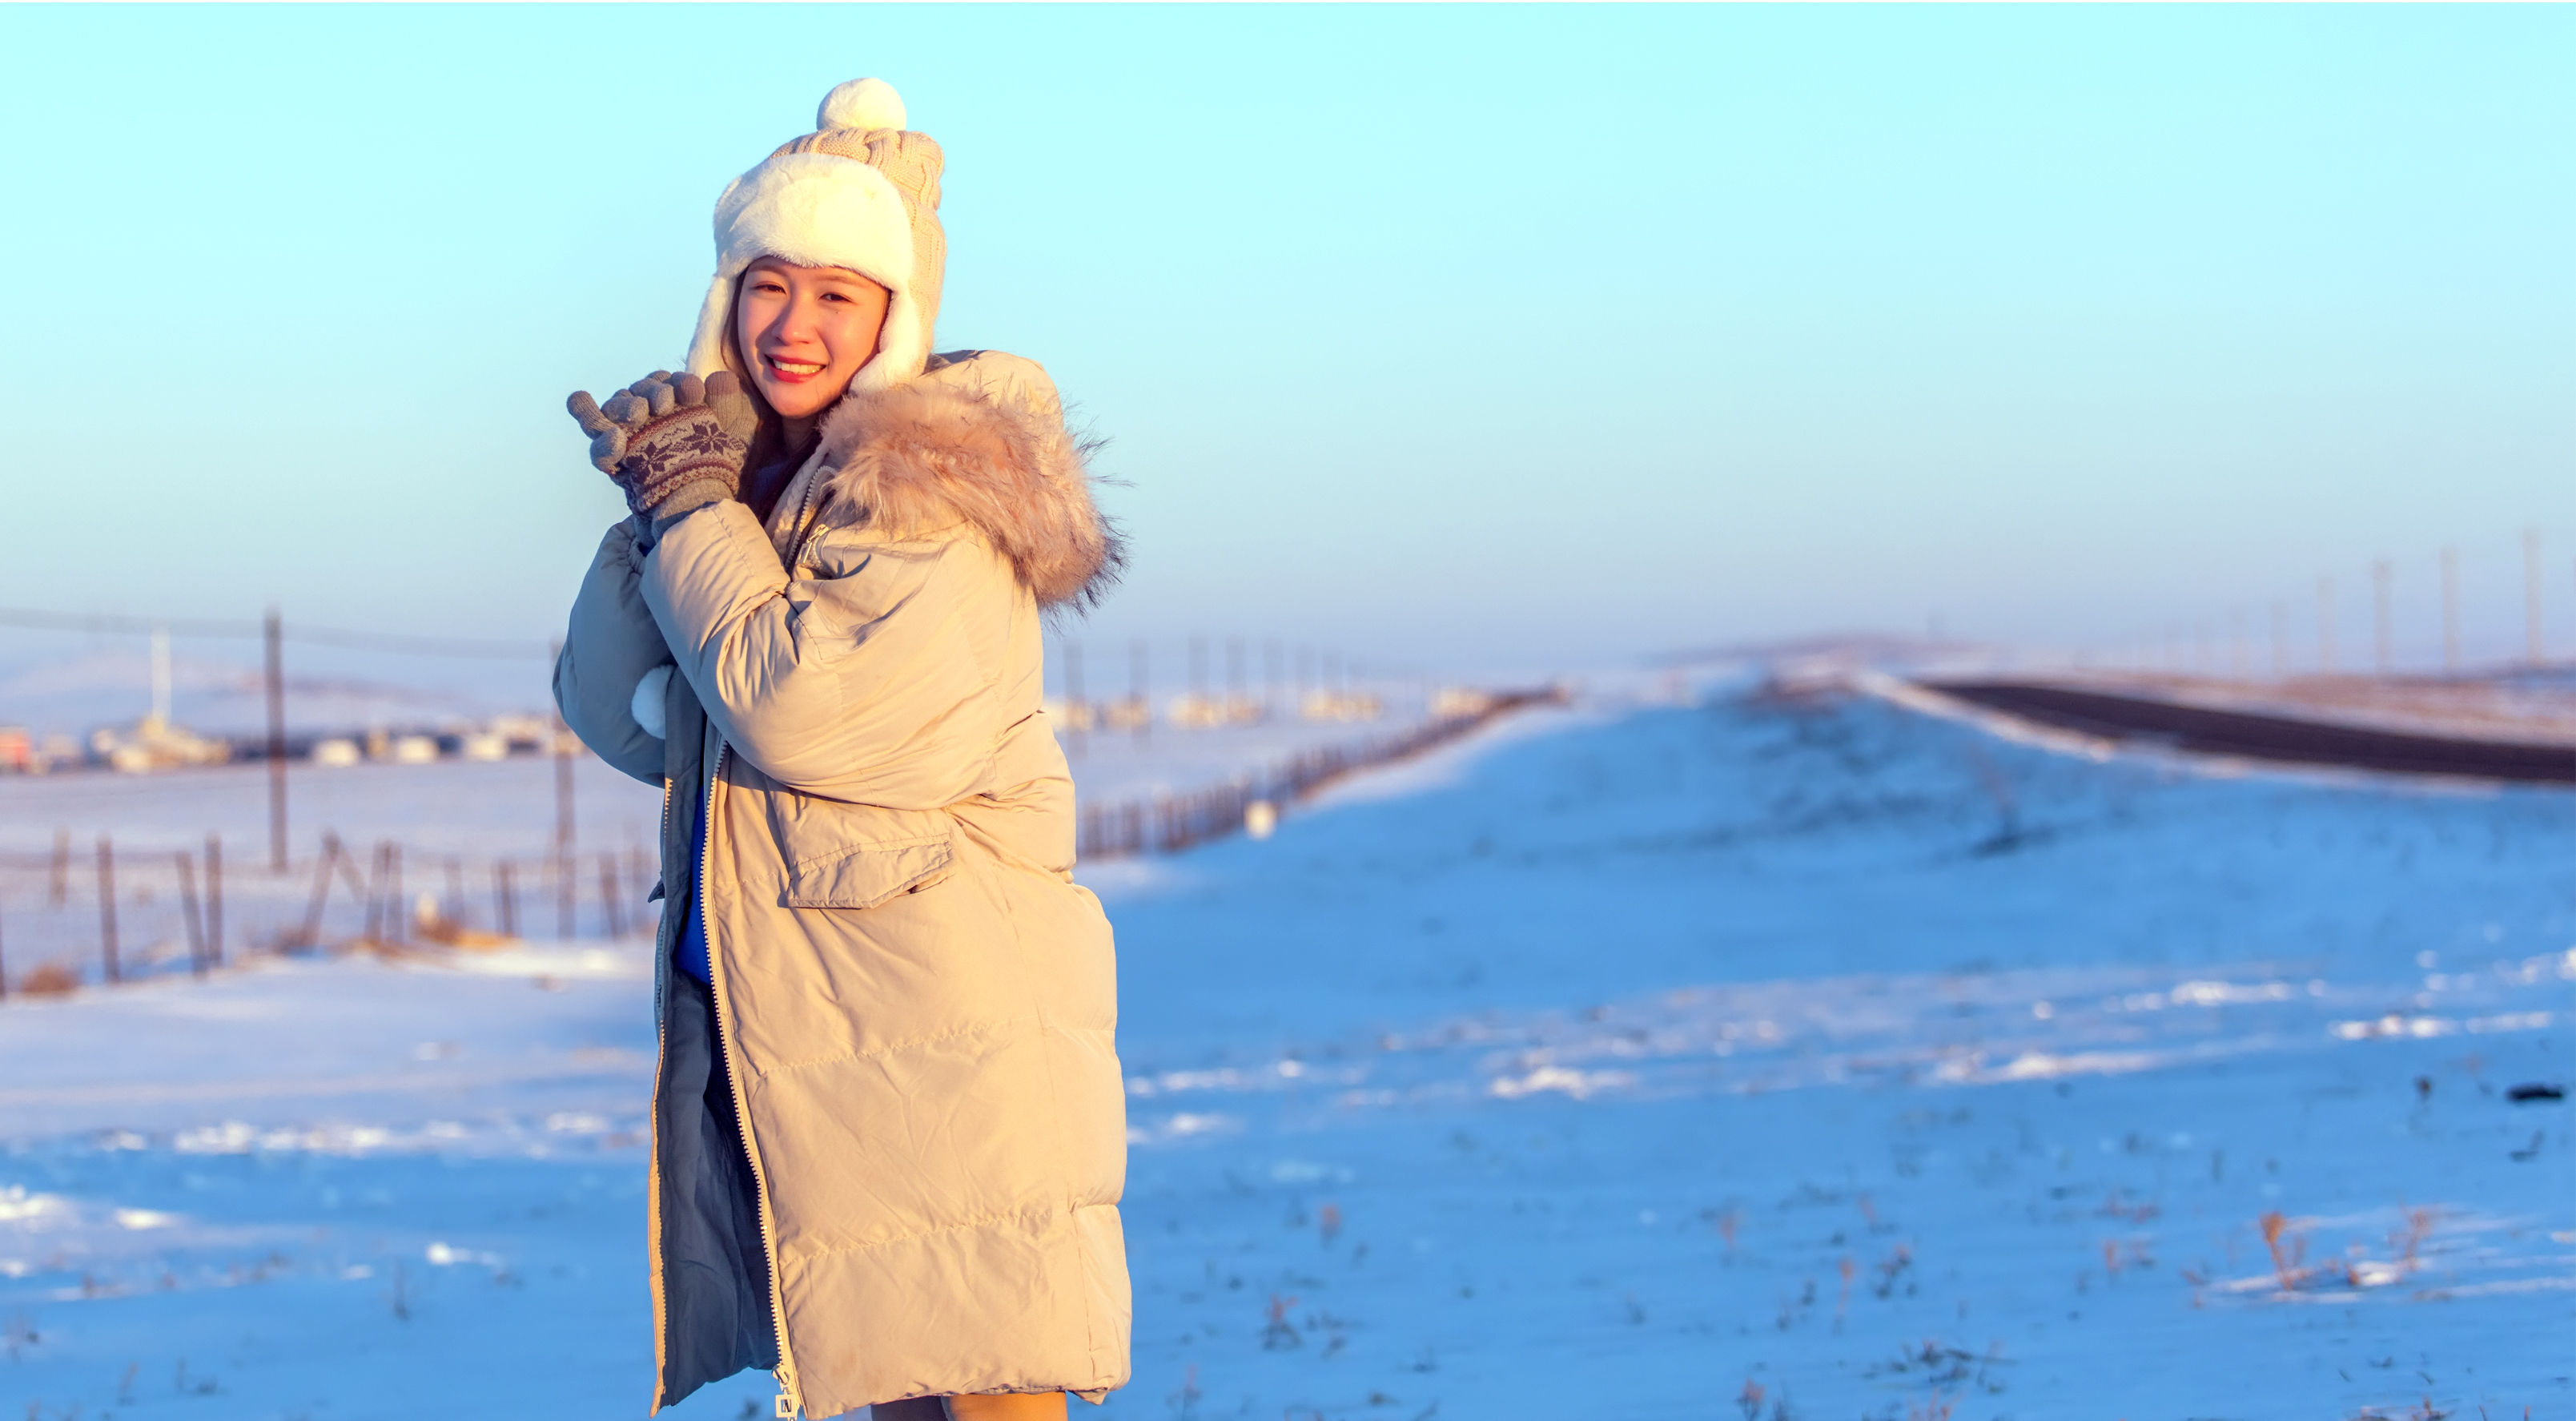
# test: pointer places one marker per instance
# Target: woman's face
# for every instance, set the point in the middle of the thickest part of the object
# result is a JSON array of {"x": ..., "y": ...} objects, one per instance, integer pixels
[{"x": 805, "y": 331}]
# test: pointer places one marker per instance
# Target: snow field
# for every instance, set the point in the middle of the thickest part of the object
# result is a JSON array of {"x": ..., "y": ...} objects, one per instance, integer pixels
[{"x": 1765, "y": 1060}]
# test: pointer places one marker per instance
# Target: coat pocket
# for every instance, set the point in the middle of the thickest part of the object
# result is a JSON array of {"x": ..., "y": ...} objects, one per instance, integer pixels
[{"x": 865, "y": 875}]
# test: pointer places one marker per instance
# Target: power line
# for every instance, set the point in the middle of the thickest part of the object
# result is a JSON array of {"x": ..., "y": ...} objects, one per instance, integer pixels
[
  {"x": 250, "y": 628},
  {"x": 83, "y": 622},
  {"x": 419, "y": 645}
]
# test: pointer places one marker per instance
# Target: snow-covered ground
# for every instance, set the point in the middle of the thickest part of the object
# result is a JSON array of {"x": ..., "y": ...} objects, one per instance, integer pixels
[{"x": 1752, "y": 1060}]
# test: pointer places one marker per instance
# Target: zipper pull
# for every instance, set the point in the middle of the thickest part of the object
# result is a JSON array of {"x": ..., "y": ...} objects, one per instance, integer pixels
[
  {"x": 786, "y": 1408},
  {"x": 789, "y": 1404}
]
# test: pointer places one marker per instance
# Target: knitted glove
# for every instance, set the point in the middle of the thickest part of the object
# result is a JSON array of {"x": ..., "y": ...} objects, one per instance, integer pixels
[{"x": 672, "y": 442}]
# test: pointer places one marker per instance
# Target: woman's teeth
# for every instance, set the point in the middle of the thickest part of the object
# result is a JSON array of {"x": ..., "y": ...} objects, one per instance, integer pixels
[{"x": 794, "y": 368}]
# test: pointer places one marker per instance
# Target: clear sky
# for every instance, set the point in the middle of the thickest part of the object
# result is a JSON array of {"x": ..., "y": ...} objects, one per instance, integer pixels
[{"x": 1451, "y": 335}]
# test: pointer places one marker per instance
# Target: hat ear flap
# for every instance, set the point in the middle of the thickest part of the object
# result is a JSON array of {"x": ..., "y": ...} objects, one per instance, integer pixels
[{"x": 711, "y": 348}]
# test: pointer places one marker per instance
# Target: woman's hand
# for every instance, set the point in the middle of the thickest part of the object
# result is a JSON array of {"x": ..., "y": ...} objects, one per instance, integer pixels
[{"x": 672, "y": 442}]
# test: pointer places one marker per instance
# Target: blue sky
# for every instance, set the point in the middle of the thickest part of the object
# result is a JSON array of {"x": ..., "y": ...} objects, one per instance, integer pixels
[{"x": 1454, "y": 336}]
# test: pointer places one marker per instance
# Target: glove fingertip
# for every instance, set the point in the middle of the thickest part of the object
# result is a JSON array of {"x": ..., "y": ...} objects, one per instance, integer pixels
[
  {"x": 689, "y": 389},
  {"x": 585, "y": 412}
]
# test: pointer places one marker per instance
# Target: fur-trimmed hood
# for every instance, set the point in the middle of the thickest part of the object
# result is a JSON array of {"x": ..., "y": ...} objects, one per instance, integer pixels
[{"x": 979, "y": 438}]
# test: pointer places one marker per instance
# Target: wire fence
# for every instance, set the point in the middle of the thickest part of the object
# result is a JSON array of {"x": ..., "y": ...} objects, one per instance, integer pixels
[
  {"x": 90, "y": 911},
  {"x": 1254, "y": 803},
  {"x": 95, "y": 912}
]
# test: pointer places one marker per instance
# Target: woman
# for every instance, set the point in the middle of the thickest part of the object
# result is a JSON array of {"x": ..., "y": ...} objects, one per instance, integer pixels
[{"x": 889, "y": 1132}]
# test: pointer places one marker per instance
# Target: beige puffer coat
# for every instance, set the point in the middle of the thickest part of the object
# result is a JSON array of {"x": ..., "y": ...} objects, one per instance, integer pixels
[{"x": 913, "y": 1003}]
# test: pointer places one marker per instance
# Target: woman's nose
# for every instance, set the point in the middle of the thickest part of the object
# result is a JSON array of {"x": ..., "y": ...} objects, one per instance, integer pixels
[{"x": 799, "y": 321}]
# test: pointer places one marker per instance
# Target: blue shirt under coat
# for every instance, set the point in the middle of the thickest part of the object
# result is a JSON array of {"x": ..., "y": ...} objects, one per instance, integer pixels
[{"x": 690, "y": 954}]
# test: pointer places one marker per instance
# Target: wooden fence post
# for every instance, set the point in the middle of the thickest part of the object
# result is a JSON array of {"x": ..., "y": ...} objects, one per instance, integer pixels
[
  {"x": 609, "y": 908},
  {"x": 505, "y": 896},
  {"x": 189, "y": 913},
  {"x": 323, "y": 863},
  {"x": 375, "y": 895},
  {"x": 107, "y": 908},
  {"x": 397, "y": 907}
]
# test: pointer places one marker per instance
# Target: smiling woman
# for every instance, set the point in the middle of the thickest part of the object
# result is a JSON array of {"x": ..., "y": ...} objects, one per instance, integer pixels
[{"x": 889, "y": 1122}]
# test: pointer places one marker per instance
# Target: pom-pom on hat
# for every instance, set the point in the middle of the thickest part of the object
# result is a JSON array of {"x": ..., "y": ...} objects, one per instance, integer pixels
[{"x": 860, "y": 192}]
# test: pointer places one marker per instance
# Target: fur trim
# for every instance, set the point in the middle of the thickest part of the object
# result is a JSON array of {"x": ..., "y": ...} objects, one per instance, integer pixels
[{"x": 980, "y": 441}]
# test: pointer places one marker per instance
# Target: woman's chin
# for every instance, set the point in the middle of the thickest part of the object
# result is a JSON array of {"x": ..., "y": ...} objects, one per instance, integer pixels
[{"x": 803, "y": 399}]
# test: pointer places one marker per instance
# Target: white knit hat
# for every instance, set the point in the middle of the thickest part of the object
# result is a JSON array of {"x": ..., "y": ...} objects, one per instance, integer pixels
[{"x": 858, "y": 192}]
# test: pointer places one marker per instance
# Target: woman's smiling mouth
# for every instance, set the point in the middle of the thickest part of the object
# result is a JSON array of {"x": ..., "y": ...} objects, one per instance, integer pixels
[{"x": 794, "y": 372}]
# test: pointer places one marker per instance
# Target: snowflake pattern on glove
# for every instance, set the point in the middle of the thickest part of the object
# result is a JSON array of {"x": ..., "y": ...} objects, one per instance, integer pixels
[
  {"x": 703, "y": 438},
  {"x": 700, "y": 435},
  {"x": 672, "y": 455}
]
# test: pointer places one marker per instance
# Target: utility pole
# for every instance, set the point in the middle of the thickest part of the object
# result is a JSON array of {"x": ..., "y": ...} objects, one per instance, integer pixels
[
  {"x": 275, "y": 634},
  {"x": 1270, "y": 678},
  {"x": 1140, "y": 691},
  {"x": 2280, "y": 640},
  {"x": 2450, "y": 611},
  {"x": 2534, "y": 649},
  {"x": 1076, "y": 713},
  {"x": 2325, "y": 626},
  {"x": 161, "y": 677},
  {"x": 2384, "y": 639},
  {"x": 564, "y": 905}
]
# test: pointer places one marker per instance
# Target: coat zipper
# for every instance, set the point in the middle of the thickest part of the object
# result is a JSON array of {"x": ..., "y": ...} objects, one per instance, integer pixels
[
  {"x": 661, "y": 1058},
  {"x": 790, "y": 1403}
]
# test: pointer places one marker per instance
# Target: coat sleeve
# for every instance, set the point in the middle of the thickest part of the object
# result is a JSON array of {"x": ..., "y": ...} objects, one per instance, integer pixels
[
  {"x": 863, "y": 677},
  {"x": 610, "y": 645}
]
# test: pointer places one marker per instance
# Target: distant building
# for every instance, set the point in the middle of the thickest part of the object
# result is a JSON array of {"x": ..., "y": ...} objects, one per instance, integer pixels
[{"x": 155, "y": 744}]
